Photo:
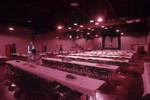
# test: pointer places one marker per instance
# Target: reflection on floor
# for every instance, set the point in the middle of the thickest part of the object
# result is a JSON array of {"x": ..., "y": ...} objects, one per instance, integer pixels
[{"x": 128, "y": 86}]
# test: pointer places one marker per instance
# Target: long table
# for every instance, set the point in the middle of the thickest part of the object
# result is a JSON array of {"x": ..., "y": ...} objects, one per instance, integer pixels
[
  {"x": 110, "y": 67},
  {"x": 95, "y": 58},
  {"x": 146, "y": 78},
  {"x": 82, "y": 84}
]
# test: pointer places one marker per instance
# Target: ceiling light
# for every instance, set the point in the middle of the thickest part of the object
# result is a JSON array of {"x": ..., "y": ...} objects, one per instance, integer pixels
[
  {"x": 91, "y": 21},
  {"x": 122, "y": 33},
  {"x": 29, "y": 21},
  {"x": 99, "y": 19},
  {"x": 96, "y": 23},
  {"x": 89, "y": 28},
  {"x": 74, "y": 4},
  {"x": 88, "y": 33},
  {"x": 69, "y": 28},
  {"x": 117, "y": 30},
  {"x": 70, "y": 37},
  {"x": 77, "y": 37},
  {"x": 75, "y": 24},
  {"x": 81, "y": 25},
  {"x": 92, "y": 29},
  {"x": 11, "y": 28},
  {"x": 96, "y": 35},
  {"x": 106, "y": 28},
  {"x": 102, "y": 26},
  {"x": 77, "y": 30},
  {"x": 59, "y": 27}
]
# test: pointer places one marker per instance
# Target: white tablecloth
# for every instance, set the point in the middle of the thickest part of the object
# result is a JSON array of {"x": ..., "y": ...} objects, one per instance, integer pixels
[
  {"x": 3, "y": 57},
  {"x": 110, "y": 67},
  {"x": 82, "y": 84},
  {"x": 94, "y": 58},
  {"x": 146, "y": 78}
]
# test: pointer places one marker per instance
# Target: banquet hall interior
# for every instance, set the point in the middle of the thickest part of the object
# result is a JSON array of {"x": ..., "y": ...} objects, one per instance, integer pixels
[{"x": 74, "y": 50}]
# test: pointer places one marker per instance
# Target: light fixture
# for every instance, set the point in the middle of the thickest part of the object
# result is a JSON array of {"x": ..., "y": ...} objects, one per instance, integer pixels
[
  {"x": 57, "y": 37},
  {"x": 96, "y": 35},
  {"x": 89, "y": 28},
  {"x": 74, "y": 4},
  {"x": 69, "y": 28},
  {"x": 99, "y": 19},
  {"x": 77, "y": 30},
  {"x": 122, "y": 33},
  {"x": 11, "y": 28},
  {"x": 81, "y": 25},
  {"x": 75, "y": 24},
  {"x": 59, "y": 27},
  {"x": 29, "y": 21},
  {"x": 106, "y": 28},
  {"x": 117, "y": 30},
  {"x": 102, "y": 26},
  {"x": 92, "y": 29},
  {"x": 77, "y": 37},
  {"x": 88, "y": 33},
  {"x": 70, "y": 37},
  {"x": 91, "y": 21},
  {"x": 96, "y": 23}
]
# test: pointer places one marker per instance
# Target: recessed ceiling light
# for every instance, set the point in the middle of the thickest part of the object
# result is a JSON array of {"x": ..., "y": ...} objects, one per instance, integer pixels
[
  {"x": 92, "y": 29},
  {"x": 91, "y": 21},
  {"x": 74, "y": 4},
  {"x": 29, "y": 21},
  {"x": 99, "y": 19},
  {"x": 122, "y": 33},
  {"x": 77, "y": 30},
  {"x": 70, "y": 37},
  {"x": 89, "y": 28},
  {"x": 106, "y": 28},
  {"x": 102, "y": 26},
  {"x": 96, "y": 23},
  {"x": 117, "y": 30},
  {"x": 11, "y": 28},
  {"x": 59, "y": 27},
  {"x": 75, "y": 24},
  {"x": 88, "y": 33},
  {"x": 69, "y": 28},
  {"x": 96, "y": 35},
  {"x": 81, "y": 25}
]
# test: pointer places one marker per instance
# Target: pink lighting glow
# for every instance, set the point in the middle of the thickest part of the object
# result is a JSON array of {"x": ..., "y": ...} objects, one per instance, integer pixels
[
  {"x": 117, "y": 30},
  {"x": 102, "y": 26},
  {"x": 91, "y": 21},
  {"x": 96, "y": 35},
  {"x": 29, "y": 21},
  {"x": 96, "y": 23},
  {"x": 99, "y": 19},
  {"x": 70, "y": 37},
  {"x": 69, "y": 28},
  {"x": 81, "y": 25},
  {"x": 11, "y": 28},
  {"x": 77, "y": 37},
  {"x": 122, "y": 33},
  {"x": 75, "y": 24},
  {"x": 88, "y": 33},
  {"x": 59, "y": 27}
]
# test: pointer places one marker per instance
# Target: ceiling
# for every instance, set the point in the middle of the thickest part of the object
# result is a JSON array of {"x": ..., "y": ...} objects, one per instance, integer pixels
[{"x": 47, "y": 14}]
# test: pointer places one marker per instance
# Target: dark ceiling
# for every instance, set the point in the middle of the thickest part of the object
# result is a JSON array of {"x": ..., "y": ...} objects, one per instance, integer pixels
[{"x": 47, "y": 14}]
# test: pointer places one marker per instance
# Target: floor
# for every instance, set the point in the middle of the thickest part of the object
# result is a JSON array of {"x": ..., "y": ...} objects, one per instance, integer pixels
[{"x": 127, "y": 86}]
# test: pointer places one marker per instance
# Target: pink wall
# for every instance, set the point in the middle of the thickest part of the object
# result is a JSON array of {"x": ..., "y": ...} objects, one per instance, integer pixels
[
  {"x": 52, "y": 42},
  {"x": 21, "y": 36},
  {"x": 126, "y": 41}
]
